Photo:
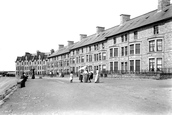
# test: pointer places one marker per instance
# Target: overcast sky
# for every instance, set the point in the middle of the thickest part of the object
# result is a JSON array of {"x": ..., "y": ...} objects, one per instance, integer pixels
[{"x": 31, "y": 25}]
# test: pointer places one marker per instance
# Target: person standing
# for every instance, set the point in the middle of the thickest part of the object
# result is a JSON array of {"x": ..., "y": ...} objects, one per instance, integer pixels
[
  {"x": 97, "y": 77},
  {"x": 85, "y": 76},
  {"x": 81, "y": 76},
  {"x": 71, "y": 77},
  {"x": 23, "y": 77},
  {"x": 90, "y": 76}
]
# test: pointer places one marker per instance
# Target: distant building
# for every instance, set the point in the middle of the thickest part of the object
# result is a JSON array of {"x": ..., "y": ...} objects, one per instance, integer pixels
[
  {"x": 143, "y": 43},
  {"x": 30, "y": 61}
]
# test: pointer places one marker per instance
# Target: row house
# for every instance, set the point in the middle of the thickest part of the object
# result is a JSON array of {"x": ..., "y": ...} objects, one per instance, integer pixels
[
  {"x": 59, "y": 61},
  {"x": 28, "y": 62},
  {"x": 143, "y": 43}
]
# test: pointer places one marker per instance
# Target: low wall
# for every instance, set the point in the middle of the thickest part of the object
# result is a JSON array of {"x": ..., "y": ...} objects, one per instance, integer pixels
[{"x": 7, "y": 87}]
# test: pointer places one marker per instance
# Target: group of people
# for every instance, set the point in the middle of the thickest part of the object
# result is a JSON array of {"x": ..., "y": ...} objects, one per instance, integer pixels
[{"x": 86, "y": 76}]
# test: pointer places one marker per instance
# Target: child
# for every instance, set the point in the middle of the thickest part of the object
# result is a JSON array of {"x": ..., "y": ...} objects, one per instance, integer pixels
[{"x": 71, "y": 77}]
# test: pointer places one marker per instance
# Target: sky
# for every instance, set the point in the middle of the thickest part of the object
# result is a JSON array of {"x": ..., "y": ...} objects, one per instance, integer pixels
[{"x": 31, "y": 25}]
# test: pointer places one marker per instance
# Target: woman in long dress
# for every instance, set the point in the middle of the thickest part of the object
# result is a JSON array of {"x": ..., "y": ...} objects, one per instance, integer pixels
[
  {"x": 85, "y": 76},
  {"x": 97, "y": 77}
]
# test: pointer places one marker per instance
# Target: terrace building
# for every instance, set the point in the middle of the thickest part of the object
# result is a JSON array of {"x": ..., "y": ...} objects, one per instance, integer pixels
[
  {"x": 143, "y": 43},
  {"x": 29, "y": 61}
]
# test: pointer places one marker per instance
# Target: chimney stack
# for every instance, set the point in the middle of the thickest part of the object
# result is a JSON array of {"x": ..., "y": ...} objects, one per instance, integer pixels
[
  {"x": 163, "y": 4},
  {"x": 100, "y": 29},
  {"x": 83, "y": 36},
  {"x": 61, "y": 46},
  {"x": 124, "y": 18},
  {"x": 70, "y": 43}
]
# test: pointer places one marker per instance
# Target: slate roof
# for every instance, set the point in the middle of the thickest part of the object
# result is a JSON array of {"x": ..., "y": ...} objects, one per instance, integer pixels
[
  {"x": 64, "y": 50},
  {"x": 135, "y": 23},
  {"x": 32, "y": 57},
  {"x": 143, "y": 20}
]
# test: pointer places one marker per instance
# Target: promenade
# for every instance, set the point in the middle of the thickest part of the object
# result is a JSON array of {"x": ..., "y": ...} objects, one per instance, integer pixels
[{"x": 112, "y": 96}]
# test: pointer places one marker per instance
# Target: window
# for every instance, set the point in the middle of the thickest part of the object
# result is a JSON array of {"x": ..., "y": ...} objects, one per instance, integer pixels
[
  {"x": 131, "y": 65},
  {"x": 82, "y": 59},
  {"x": 151, "y": 64},
  {"x": 159, "y": 64},
  {"x": 98, "y": 46},
  {"x": 111, "y": 66},
  {"x": 122, "y": 66},
  {"x": 156, "y": 29},
  {"x": 104, "y": 56},
  {"x": 159, "y": 45},
  {"x": 137, "y": 65},
  {"x": 126, "y": 37},
  {"x": 114, "y": 40},
  {"x": 137, "y": 48},
  {"x": 94, "y": 47},
  {"x": 135, "y": 35},
  {"x": 126, "y": 49},
  {"x": 99, "y": 56},
  {"x": 77, "y": 61},
  {"x": 152, "y": 46},
  {"x": 90, "y": 58},
  {"x": 95, "y": 57},
  {"x": 115, "y": 52},
  {"x": 77, "y": 51},
  {"x": 126, "y": 66},
  {"x": 122, "y": 51},
  {"x": 132, "y": 49},
  {"x": 115, "y": 66},
  {"x": 111, "y": 52},
  {"x": 82, "y": 50},
  {"x": 89, "y": 48},
  {"x": 87, "y": 58},
  {"x": 122, "y": 38}
]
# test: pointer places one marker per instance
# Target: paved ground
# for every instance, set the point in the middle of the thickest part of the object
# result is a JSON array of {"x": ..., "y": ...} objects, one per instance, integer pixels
[{"x": 110, "y": 97}]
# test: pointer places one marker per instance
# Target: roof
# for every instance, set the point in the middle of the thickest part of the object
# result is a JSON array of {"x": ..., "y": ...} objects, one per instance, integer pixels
[
  {"x": 143, "y": 20},
  {"x": 135, "y": 23},
  {"x": 32, "y": 57},
  {"x": 95, "y": 38},
  {"x": 64, "y": 50}
]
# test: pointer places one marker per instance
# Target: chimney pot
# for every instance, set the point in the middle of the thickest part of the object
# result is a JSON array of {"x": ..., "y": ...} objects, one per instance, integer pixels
[
  {"x": 124, "y": 18},
  {"x": 83, "y": 36},
  {"x": 100, "y": 29},
  {"x": 70, "y": 43},
  {"x": 61, "y": 46},
  {"x": 163, "y": 4}
]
